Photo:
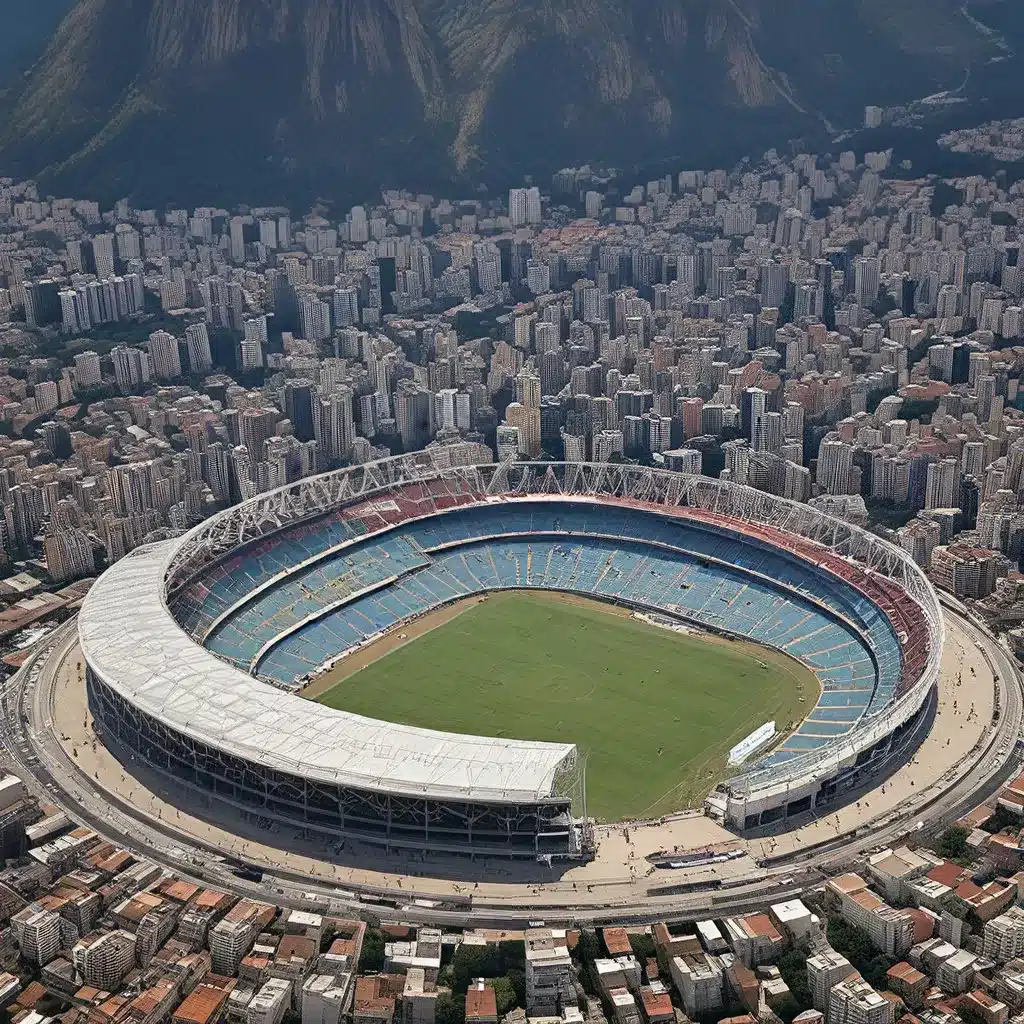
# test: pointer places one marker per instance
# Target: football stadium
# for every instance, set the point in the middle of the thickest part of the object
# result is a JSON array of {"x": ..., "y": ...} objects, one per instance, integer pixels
[{"x": 199, "y": 649}]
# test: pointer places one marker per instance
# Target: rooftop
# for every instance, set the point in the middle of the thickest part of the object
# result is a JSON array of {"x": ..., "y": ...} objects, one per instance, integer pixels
[{"x": 481, "y": 1002}]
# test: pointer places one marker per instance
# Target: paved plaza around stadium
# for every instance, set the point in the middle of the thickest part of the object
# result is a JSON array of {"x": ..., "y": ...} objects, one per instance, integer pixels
[
  {"x": 621, "y": 875},
  {"x": 654, "y": 711}
]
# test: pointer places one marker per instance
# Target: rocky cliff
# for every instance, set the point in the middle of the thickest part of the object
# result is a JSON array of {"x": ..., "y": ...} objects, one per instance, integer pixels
[{"x": 166, "y": 97}]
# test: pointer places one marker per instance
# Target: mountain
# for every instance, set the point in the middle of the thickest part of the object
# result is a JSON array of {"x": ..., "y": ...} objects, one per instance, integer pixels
[
  {"x": 267, "y": 99},
  {"x": 27, "y": 26}
]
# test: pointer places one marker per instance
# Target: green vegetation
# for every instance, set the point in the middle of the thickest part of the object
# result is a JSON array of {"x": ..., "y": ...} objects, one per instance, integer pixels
[
  {"x": 655, "y": 712},
  {"x": 371, "y": 958},
  {"x": 643, "y": 946},
  {"x": 587, "y": 950},
  {"x": 969, "y": 1015},
  {"x": 892, "y": 517},
  {"x": 953, "y": 846},
  {"x": 856, "y": 945},
  {"x": 953, "y": 842},
  {"x": 1001, "y": 819},
  {"x": 918, "y": 408},
  {"x": 495, "y": 960},
  {"x": 450, "y": 1008},
  {"x": 503, "y": 964},
  {"x": 792, "y": 966}
]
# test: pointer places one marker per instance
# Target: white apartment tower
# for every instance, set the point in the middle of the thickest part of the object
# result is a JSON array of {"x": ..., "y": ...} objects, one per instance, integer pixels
[
  {"x": 524, "y": 206},
  {"x": 1003, "y": 937},
  {"x": 104, "y": 959},
  {"x": 269, "y": 1004},
  {"x": 699, "y": 981},
  {"x": 232, "y": 937},
  {"x": 333, "y": 426},
  {"x": 87, "y": 370},
  {"x": 942, "y": 486},
  {"x": 856, "y": 1002},
  {"x": 825, "y": 971},
  {"x": 200, "y": 359},
  {"x": 131, "y": 367},
  {"x": 835, "y": 459},
  {"x": 38, "y": 933},
  {"x": 164, "y": 356}
]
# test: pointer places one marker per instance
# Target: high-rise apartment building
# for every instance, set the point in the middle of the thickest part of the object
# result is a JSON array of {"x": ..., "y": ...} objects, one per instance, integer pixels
[
  {"x": 104, "y": 958},
  {"x": 856, "y": 1002},
  {"x": 38, "y": 933},
  {"x": 942, "y": 487},
  {"x": 867, "y": 278},
  {"x": 164, "y": 356},
  {"x": 314, "y": 317},
  {"x": 87, "y": 372},
  {"x": 131, "y": 367},
  {"x": 835, "y": 460},
  {"x": 824, "y": 971},
  {"x": 333, "y": 425},
  {"x": 232, "y": 936},
  {"x": 1003, "y": 936},
  {"x": 524, "y": 206},
  {"x": 200, "y": 359},
  {"x": 103, "y": 255}
]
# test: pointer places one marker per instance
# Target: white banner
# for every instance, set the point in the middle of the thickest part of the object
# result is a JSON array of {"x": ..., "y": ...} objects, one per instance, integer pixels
[{"x": 758, "y": 738}]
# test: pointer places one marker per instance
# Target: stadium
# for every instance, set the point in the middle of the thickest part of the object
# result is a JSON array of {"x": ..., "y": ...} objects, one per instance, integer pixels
[{"x": 196, "y": 648}]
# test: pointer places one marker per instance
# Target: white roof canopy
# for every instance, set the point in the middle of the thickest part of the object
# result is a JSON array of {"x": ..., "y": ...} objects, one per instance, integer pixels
[{"x": 135, "y": 646}]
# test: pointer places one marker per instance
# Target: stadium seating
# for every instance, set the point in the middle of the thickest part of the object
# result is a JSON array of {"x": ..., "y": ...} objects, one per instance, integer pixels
[{"x": 299, "y": 599}]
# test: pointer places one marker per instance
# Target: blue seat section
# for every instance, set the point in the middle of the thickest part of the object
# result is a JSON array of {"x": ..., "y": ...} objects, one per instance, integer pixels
[
  {"x": 716, "y": 596},
  {"x": 229, "y": 581},
  {"x": 691, "y": 569},
  {"x": 367, "y": 564}
]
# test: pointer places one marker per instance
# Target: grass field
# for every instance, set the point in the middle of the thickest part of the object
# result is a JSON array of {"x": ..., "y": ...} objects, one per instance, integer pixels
[{"x": 655, "y": 712}]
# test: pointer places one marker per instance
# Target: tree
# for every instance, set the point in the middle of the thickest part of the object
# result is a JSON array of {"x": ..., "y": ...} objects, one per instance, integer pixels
[
  {"x": 969, "y": 1015},
  {"x": 856, "y": 945},
  {"x": 952, "y": 843},
  {"x": 372, "y": 956},
  {"x": 517, "y": 979},
  {"x": 1001, "y": 819},
  {"x": 450, "y": 1009},
  {"x": 327, "y": 936},
  {"x": 917, "y": 408},
  {"x": 505, "y": 995},
  {"x": 587, "y": 950},
  {"x": 786, "y": 1009},
  {"x": 643, "y": 946},
  {"x": 513, "y": 954},
  {"x": 953, "y": 905},
  {"x": 793, "y": 968},
  {"x": 472, "y": 962}
]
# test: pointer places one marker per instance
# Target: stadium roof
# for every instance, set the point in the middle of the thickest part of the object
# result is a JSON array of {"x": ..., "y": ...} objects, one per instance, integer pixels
[{"x": 135, "y": 646}]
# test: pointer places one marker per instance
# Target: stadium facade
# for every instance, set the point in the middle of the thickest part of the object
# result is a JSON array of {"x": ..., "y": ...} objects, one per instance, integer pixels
[{"x": 195, "y": 646}]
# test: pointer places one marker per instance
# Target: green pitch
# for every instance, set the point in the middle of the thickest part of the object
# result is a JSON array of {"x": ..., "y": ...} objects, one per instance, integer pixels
[{"x": 654, "y": 712}]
